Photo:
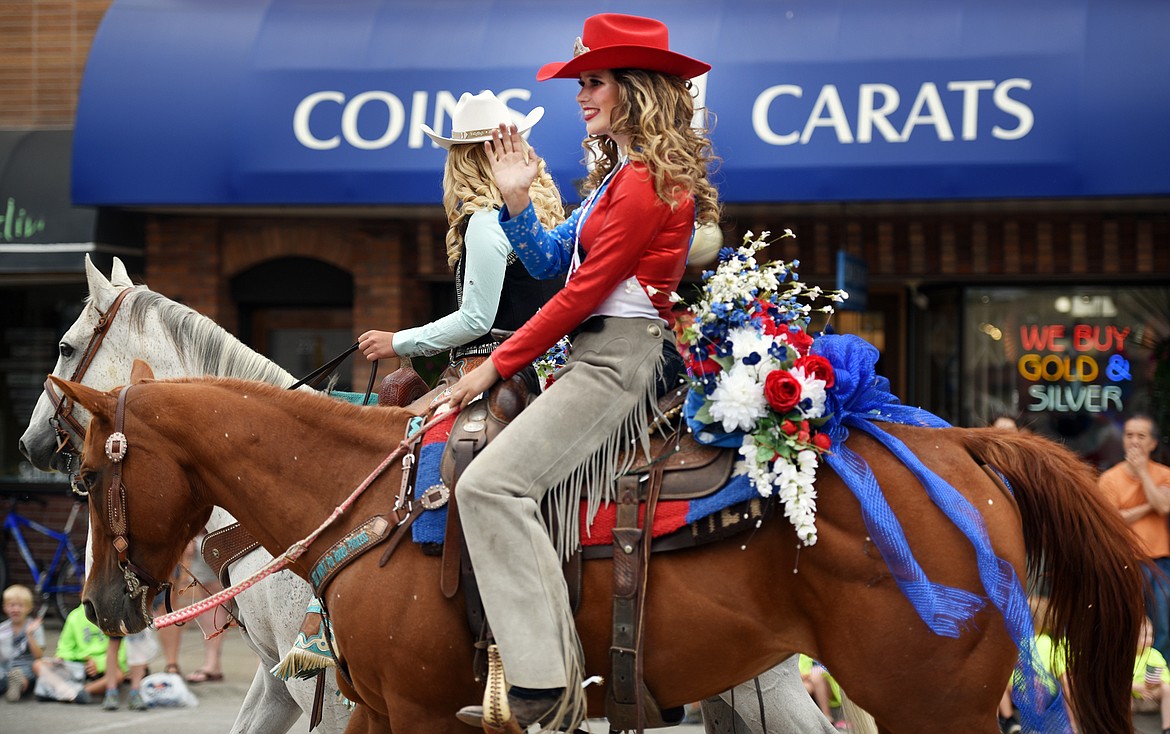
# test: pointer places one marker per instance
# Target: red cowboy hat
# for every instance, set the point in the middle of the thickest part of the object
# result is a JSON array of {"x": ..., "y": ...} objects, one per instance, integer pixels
[{"x": 616, "y": 41}]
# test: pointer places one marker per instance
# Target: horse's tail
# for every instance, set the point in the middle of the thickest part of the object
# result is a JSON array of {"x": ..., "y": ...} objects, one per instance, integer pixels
[{"x": 1078, "y": 543}]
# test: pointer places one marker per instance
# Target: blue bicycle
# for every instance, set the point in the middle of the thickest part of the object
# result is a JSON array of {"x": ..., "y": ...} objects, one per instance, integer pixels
[{"x": 59, "y": 582}]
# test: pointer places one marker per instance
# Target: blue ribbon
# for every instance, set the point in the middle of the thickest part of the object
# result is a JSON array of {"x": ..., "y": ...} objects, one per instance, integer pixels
[
  {"x": 712, "y": 435},
  {"x": 858, "y": 398}
]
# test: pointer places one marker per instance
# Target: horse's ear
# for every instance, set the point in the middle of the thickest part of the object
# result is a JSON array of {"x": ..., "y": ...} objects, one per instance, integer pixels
[
  {"x": 140, "y": 372},
  {"x": 95, "y": 401},
  {"x": 119, "y": 277},
  {"x": 101, "y": 291}
]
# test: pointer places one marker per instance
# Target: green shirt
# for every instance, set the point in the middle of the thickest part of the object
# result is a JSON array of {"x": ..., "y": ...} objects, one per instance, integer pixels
[
  {"x": 81, "y": 640},
  {"x": 1151, "y": 657}
]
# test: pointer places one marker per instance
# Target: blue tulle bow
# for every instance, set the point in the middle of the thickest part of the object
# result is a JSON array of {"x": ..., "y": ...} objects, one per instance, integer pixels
[{"x": 860, "y": 397}]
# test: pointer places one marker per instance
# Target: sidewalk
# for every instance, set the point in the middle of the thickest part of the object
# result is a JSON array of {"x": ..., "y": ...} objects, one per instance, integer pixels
[
  {"x": 217, "y": 709},
  {"x": 218, "y": 702}
]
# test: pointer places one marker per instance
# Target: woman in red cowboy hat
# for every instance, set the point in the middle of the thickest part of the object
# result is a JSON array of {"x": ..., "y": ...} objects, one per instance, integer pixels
[{"x": 623, "y": 251}]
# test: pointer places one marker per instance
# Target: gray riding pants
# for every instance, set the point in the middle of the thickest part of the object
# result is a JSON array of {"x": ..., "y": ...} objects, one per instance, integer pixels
[{"x": 608, "y": 378}]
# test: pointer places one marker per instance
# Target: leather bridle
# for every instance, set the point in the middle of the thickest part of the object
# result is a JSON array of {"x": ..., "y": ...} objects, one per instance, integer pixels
[
  {"x": 138, "y": 580},
  {"x": 62, "y": 418}
]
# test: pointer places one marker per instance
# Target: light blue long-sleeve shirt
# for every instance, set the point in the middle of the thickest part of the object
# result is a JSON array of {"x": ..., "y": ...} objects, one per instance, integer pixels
[{"x": 486, "y": 251}]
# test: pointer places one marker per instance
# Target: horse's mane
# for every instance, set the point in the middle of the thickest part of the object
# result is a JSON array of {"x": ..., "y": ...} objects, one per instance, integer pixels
[
  {"x": 213, "y": 350},
  {"x": 321, "y": 402}
]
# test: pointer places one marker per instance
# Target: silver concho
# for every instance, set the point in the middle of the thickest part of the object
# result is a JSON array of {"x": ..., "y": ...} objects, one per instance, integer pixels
[
  {"x": 435, "y": 497},
  {"x": 116, "y": 447}
]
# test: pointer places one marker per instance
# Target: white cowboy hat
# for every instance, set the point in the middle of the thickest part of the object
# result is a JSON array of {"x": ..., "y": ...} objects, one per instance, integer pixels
[{"x": 476, "y": 115}]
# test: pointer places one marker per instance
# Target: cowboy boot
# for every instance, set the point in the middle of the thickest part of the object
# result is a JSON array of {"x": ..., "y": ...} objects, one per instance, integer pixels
[{"x": 520, "y": 711}]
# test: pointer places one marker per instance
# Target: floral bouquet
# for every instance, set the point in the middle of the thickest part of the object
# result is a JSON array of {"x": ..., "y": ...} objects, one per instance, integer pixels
[
  {"x": 754, "y": 382},
  {"x": 548, "y": 363}
]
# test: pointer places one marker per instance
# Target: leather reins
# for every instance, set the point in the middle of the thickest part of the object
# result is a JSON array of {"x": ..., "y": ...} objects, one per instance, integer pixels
[
  {"x": 138, "y": 580},
  {"x": 63, "y": 406},
  {"x": 314, "y": 378}
]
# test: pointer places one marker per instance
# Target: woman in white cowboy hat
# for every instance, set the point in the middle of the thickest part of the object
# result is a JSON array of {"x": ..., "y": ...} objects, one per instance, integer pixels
[
  {"x": 493, "y": 290},
  {"x": 623, "y": 250}
]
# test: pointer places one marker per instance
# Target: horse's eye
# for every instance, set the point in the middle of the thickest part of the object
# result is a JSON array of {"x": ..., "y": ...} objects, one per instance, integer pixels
[{"x": 66, "y": 349}]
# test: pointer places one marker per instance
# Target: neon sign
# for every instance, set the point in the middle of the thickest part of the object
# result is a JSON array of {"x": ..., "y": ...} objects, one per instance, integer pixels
[{"x": 1073, "y": 370}]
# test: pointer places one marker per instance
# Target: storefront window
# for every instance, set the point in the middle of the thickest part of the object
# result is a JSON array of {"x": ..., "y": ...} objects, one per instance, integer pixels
[
  {"x": 934, "y": 377},
  {"x": 1069, "y": 362},
  {"x": 35, "y": 317}
]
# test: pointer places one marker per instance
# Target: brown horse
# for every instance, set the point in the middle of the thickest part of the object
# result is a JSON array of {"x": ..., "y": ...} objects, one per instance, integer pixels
[{"x": 281, "y": 462}]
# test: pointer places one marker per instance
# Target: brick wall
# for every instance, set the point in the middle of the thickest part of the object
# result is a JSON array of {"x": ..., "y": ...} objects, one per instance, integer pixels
[
  {"x": 43, "y": 48},
  {"x": 192, "y": 260},
  {"x": 1098, "y": 245}
]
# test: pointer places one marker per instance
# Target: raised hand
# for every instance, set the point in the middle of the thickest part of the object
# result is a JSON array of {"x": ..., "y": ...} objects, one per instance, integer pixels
[
  {"x": 514, "y": 166},
  {"x": 1138, "y": 459}
]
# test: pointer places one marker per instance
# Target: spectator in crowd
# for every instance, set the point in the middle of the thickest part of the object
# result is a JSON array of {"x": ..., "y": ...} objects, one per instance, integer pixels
[
  {"x": 1009, "y": 723},
  {"x": 22, "y": 642},
  {"x": 823, "y": 688},
  {"x": 211, "y": 670},
  {"x": 83, "y": 643},
  {"x": 139, "y": 648},
  {"x": 1006, "y": 422},
  {"x": 1151, "y": 681},
  {"x": 1140, "y": 489},
  {"x": 170, "y": 637}
]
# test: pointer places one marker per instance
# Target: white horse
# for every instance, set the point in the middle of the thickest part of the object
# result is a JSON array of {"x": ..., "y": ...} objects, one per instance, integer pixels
[{"x": 177, "y": 342}]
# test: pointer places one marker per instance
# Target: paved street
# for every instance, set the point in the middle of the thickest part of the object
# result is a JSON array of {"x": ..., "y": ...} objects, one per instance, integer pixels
[{"x": 218, "y": 703}]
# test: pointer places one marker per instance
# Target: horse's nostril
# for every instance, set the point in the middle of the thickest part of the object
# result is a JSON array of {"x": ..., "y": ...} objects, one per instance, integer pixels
[{"x": 90, "y": 612}]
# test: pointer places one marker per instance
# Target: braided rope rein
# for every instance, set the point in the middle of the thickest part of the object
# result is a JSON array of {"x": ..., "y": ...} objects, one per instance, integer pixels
[{"x": 296, "y": 549}]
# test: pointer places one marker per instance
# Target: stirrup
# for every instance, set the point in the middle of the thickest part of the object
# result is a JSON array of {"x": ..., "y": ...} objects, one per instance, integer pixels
[{"x": 497, "y": 714}]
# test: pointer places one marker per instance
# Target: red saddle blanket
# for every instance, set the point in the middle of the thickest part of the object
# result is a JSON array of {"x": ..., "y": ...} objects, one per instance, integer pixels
[{"x": 670, "y": 516}]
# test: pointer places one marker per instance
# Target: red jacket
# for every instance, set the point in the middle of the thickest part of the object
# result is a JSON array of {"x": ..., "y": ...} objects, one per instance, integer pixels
[{"x": 627, "y": 232}]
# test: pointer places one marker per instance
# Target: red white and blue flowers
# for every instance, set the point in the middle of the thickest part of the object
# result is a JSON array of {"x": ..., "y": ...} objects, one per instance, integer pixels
[
  {"x": 548, "y": 363},
  {"x": 754, "y": 381}
]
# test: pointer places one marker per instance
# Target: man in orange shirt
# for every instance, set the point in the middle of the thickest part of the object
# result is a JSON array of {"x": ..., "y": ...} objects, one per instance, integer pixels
[{"x": 1140, "y": 489}]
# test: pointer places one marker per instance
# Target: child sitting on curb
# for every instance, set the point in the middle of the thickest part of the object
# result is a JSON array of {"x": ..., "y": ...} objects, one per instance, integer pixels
[
  {"x": 22, "y": 642},
  {"x": 81, "y": 658},
  {"x": 1151, "y": 680}
]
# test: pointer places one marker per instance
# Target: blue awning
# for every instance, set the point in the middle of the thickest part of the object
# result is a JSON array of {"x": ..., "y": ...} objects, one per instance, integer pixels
[{"x": 241, "y": 102}]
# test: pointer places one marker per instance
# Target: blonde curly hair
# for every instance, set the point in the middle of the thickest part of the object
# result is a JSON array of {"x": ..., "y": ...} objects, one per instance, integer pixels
[
  {"x": 468, "y": 187},
  {"x": 656, "y": 111}
]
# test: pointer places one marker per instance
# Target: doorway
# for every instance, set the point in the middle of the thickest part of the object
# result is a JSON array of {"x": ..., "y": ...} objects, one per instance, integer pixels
[{"x": 298, "y": 312}]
